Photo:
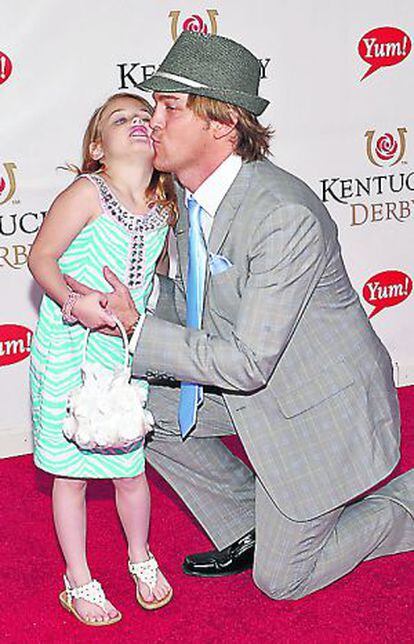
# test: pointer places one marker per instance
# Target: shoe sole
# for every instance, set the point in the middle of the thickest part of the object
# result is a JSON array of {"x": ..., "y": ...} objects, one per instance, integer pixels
[
  {"x": 154, "y": 605},
  {"x": 213, "y": 576},
  {"x": 70, "y": 609}
]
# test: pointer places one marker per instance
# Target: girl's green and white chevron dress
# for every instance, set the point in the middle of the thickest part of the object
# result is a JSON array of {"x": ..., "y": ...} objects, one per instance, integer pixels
[{"x": 130, "y": 245}]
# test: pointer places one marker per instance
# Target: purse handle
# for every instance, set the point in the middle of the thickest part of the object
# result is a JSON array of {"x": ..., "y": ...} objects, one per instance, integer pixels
[{"x": 124, "y": 338}]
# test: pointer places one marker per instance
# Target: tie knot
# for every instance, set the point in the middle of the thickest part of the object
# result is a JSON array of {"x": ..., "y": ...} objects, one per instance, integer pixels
[
  {"x": 194, "y": 211},
  {"x": 192, "y": 203}
]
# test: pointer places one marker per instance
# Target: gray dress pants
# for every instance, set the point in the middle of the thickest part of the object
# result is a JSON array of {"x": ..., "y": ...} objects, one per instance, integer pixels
[{"x": 292, "y": 558}]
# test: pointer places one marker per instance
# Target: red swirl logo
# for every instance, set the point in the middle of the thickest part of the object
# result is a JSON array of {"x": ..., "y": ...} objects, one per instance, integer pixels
[
  {"x": 196, "y": 24},
  {"x": 386, "y": 147}
]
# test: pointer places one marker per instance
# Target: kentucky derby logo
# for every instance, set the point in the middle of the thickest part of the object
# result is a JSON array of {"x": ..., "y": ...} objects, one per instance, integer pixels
[
  {"x": 386, "y": 150},
  {"x": 7, "y": 188},
  {"x": 193, "y": 23}
]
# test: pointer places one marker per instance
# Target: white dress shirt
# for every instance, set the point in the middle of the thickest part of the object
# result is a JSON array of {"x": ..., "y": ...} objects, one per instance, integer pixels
[
  {"x": 209, "y": 196},
  {"x": 213, "y": 190}
]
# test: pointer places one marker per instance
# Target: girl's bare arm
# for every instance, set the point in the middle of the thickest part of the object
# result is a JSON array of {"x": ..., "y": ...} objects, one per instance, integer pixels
[{"x": 71, "y": 211}]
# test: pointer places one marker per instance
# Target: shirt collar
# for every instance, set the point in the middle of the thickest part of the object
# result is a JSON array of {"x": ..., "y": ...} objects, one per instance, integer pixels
[{"x": 212, "y": 191}]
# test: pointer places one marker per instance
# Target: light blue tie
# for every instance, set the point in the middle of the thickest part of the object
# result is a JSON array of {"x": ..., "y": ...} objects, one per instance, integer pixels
[{"x": 191, "y": 395}]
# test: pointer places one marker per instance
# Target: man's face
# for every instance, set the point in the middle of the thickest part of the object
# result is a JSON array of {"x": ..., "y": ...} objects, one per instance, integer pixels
[{"x": 180, "y": 137}]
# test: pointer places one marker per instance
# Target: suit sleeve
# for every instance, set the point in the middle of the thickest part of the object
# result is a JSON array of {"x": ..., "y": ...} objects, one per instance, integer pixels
[
  {"x": 171, "y": 305},
  {"x": 286, "y": 259}
]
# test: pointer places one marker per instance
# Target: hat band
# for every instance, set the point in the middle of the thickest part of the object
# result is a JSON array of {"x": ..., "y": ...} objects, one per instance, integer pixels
[{"x": 181, "y": 79}]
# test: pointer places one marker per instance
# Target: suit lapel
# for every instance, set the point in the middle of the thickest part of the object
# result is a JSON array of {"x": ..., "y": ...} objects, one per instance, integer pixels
[
  {"x": 181, "y": 232},
  {"x": 222, "y": 219},
  {"x": 227, "y": 210}
]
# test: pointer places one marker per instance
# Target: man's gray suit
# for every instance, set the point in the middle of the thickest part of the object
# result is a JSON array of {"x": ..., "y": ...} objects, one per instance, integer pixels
[{"x": 291, "y": 363}]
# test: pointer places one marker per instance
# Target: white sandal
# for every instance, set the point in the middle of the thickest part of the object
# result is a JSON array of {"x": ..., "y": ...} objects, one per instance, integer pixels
[
  {"x": 91, "y": 592},
  {"x": 146, "y": 572}
]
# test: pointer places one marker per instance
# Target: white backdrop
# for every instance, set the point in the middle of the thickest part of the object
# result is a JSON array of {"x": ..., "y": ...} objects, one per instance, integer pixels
[{"x": 59, "y": 60}]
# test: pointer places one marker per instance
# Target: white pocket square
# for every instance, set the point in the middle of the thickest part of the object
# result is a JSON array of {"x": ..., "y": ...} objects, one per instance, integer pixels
[{"x": 218, "y": 263}]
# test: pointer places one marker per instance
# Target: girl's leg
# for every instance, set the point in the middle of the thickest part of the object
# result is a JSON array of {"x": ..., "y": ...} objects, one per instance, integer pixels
[
  {"x": 69, "y": 512},
  {"x": 133, "y": 504}
]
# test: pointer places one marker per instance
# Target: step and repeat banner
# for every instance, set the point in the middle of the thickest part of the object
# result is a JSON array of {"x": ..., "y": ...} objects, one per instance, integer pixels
[{"x": 340, "y": 80}]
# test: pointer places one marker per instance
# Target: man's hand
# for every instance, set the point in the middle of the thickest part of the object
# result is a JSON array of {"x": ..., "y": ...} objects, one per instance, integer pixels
[
  {"x": 101, "y": 319},
  {"x": 91, "y": 310},
  {"x": 120, "y": 302}
]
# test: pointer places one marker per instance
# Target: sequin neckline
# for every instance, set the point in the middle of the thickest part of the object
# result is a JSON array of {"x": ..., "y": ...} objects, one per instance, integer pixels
[{"x": 137, "y": 227}]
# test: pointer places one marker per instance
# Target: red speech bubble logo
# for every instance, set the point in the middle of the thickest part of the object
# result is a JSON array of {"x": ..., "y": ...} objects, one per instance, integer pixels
[
  {"x": 383, "y": 47},
  {"x": 385, "y": 289},
  {"x": 5, "y": 67},
  {"x": 14, "y": 343}
]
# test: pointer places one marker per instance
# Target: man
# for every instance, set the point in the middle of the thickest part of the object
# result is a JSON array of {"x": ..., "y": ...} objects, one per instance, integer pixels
[{"x": 268, "y": 339}]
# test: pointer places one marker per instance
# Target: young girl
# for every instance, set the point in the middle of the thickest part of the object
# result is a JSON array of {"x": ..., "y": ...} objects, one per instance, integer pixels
[{"x": 116, "y": 213}]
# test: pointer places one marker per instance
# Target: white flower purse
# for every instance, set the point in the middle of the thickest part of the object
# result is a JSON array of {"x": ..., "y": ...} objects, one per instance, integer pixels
[{"x": 106, "y": 413}]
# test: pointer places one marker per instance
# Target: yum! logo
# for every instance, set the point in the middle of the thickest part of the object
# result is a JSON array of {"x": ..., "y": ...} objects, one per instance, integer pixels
[
  {"x": 387, "y": 289},
  {"x": 383, "y": 47},
  {"x": 5, "y": 67},
  {"x": 15, "y": 341},
  {"x": 386, "y": 149},
  {"x": 193, "y": 23}
]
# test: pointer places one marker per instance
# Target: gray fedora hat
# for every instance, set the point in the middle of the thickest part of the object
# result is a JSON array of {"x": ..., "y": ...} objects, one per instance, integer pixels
[{"x": 211, "y": 66}]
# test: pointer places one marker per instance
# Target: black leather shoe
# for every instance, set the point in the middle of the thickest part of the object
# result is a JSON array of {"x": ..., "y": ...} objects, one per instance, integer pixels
[{"x": 220, "y": 563}]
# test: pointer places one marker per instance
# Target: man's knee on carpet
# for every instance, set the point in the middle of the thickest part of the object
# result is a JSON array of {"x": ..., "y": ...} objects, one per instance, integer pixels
[
  {"x": 374, "y": 525},
  {"x": 281, "y": 585}
]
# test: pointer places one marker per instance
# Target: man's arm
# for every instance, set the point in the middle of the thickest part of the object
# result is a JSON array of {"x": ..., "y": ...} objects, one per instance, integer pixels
[
  {"x": 287, "y": 257},
  {"x": 119, "y": 301},
  {"x": 170, "y": 303}
]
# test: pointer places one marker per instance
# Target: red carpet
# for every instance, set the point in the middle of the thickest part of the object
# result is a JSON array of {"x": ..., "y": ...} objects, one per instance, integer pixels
[{"x": 373, "y": 604}]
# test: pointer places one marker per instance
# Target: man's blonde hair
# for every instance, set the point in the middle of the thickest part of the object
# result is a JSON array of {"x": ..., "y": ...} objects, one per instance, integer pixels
[{"x": 253, "y": 139}]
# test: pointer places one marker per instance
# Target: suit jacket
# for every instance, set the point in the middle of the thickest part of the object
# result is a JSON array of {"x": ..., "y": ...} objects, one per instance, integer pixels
[{"x": 306, "y": 381}]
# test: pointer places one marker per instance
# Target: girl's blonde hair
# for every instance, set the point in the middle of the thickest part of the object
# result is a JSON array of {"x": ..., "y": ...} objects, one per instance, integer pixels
[{"x": 161, "y": 188}]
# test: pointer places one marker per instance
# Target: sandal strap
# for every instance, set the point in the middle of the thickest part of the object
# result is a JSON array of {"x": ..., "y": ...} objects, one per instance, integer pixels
[
  {"x": 145, "y": 571},
  {"x": 91, "y": 592}
]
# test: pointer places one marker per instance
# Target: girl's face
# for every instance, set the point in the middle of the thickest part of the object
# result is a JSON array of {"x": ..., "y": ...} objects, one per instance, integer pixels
[{"x": 124, "y": 132}]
